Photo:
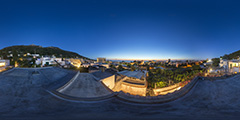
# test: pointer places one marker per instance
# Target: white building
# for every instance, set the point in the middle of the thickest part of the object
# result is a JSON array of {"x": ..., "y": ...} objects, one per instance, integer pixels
[
  {"x": 231, "y": 66},
  {"x": 209, "y": 62},
  {"x": 223, "y": 63},
  {"x": 86, "y": 65},
  {"x": 4, "y": 63},
  {"x": 50, "y": 61}
]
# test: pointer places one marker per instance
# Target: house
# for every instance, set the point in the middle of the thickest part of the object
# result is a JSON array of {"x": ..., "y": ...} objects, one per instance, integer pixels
[
  {"x": 209, "y": 62},
  {"x": 45, "y": 61},
  {"x": 132, "y": 82},
  {"x": 105, "y": 65},
  {"x": 230, "y": 66},
  {"x": 86, "y": 65},
  {"x": 101, "y": 60},
  {"x": 233, "y": 66},
  {"x": 4, "y": 64},
  {"x": 75, "y": 62},
  {"x": 223, "y": 63},
  {"x": 106, "y": 76},
  {"x": 92, "y": 69}
]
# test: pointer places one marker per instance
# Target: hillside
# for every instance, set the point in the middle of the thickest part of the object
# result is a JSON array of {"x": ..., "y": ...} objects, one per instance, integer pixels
[
  {"x": 233, "y": 55},
  {"x": 19, "y": 51}
]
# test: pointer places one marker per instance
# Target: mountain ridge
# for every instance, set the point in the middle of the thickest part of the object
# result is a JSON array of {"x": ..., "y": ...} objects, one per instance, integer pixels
[{"x": 17, "y": 50}]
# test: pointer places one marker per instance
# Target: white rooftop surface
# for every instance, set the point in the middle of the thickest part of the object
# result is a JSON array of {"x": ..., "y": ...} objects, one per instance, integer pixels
[
  {"x": 135, "y": 74},
  {"x": 85, "y": 86}
]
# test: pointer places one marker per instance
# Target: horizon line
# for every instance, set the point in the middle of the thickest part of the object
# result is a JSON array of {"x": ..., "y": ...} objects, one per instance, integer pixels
[{"x": 131, "y": 59}]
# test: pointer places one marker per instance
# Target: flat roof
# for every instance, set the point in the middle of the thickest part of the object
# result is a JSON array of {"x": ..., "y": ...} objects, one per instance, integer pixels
[
  {"x": 135, "y": 74},
  {"x": 102, "y": 75}
]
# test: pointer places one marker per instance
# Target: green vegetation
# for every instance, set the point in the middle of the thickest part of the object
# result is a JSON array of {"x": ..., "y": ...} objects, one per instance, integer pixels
[
  {"x": 234, "y": 55},
  {"x": 83, "y": 70},
  {"x": 112, "y": 66},
  {"x": 133, "y": 68},
  {"x": 216, "y": 62},
  {"x": 15, "y": 50},
  {"x": 20, "y": 51},
  {"x": 26, "y": 63},
  {"x": 162, "y": 78},
  {"x": 120, "y": 68}
]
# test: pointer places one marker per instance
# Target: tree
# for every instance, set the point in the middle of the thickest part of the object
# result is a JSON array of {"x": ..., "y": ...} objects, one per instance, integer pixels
[
  {"x": 120, "y": 68},
  {"x": 161, "y": 84},
  {"x": 112, "y": 66},
  {"x": 133, "y": 68},
  {"x": 196, "y": 67},
  {"x": 83, "y": 70},
  {"x": 216, "y": 62}
]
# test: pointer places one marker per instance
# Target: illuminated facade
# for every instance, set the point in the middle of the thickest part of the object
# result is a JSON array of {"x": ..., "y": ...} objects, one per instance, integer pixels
[
  {"x": 4, "y": 64},
  {"x": 231, "y": 66},
  {"x": 101, "y": 60},
  {"x": 133, "y": 82},
  {"x": 75, "y": 62}
]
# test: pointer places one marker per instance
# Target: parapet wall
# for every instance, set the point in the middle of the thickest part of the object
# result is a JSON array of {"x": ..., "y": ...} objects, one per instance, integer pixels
[
  {"x": 69, "y": 83},
  {"x": 163, "y": 91},
  {"x": 128, "y": 88},
  {"x": 222, "y": 77},
  {"x": 67, "y": 97},
  {"x": 136, "y": 98},
  {"x": 161, "y": 98}
]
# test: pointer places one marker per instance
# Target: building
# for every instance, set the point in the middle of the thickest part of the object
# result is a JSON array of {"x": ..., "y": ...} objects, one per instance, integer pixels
[
  {"x": 101, "y": 60},
  {"x": 106, "y": 76},
  {"x": 223, "y": 63},
  {"x": 92, "y": 69},
  {"x": 4, "y": 64},
  {"x": 86, "y": 65},
  {"x": 230, "y": 66},
  {"x": 45, "y": 61},
  {"x": 132, "y": 82},
  {"x": 75, "y": 62},
  {"x": 233, "y": 66},
  {"x": 105, "y": 65},
  {"x": 209, "y": 62}
]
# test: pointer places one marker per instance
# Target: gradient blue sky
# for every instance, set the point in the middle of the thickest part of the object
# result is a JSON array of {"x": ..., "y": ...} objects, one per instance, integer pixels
[{"x": 129, "y": 29}]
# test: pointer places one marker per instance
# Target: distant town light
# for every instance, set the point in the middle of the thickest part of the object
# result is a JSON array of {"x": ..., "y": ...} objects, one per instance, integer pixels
[
  {"x": 2, "y": 64},
  {"x": 178, "y": 88}
]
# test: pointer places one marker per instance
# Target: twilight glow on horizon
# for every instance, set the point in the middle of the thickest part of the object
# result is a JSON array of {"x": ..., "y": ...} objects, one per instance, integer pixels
[{"x": 124, "y": 29}]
